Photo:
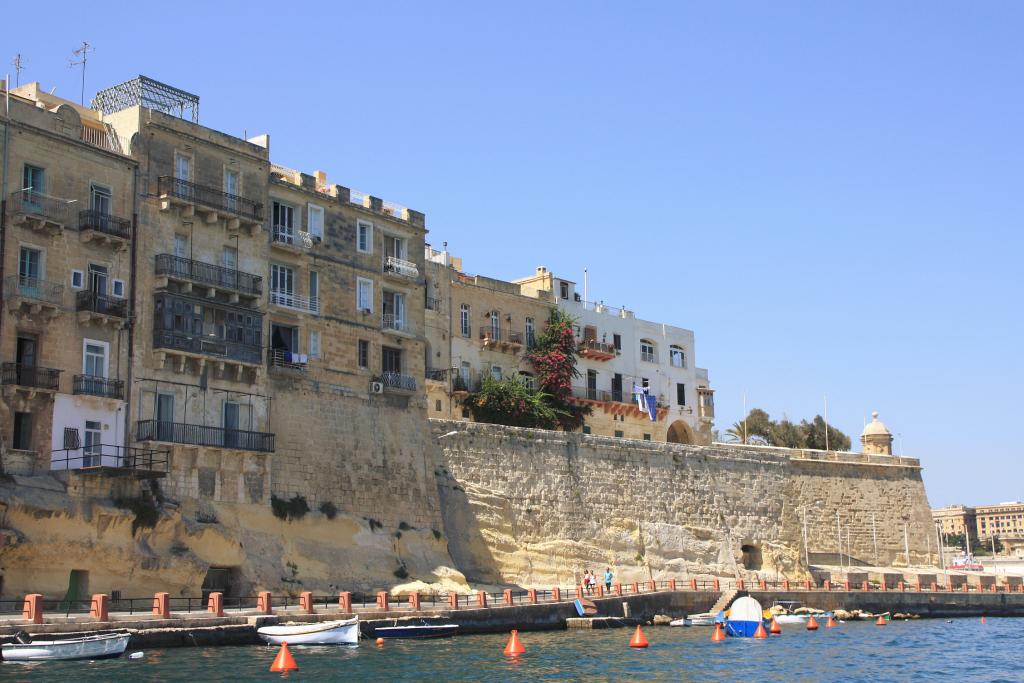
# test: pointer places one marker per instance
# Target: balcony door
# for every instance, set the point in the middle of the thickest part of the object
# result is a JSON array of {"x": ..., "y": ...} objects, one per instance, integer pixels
[
  {"x": 394, "y": 310},
  {"x": 94, "y": 364},
  {"x": 284, "y": 218},
  {"x": 231, "y": 435},
  {"x": 231, "y": 190},
  {"x": 182, "y": 167},
  {"x": 617, "y": 387},
  {"x": 98, "y": 280},
  {"x": 91, "y": 448},
  {"x": 99, "y": 200},
  {"x": 33, "y": 183},
  {"x": 30, "y": 272},
  {"x": 165, "y": 417},
  {"x": 26, "y": 356},
  {"x": 391, "y": 360},
  {"x": 395, "y": 246},
  {"x": 592, "y": 385}
]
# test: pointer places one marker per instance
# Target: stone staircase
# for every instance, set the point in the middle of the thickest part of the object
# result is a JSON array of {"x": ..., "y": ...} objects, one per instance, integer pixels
[{"x": 723, "y": 602}]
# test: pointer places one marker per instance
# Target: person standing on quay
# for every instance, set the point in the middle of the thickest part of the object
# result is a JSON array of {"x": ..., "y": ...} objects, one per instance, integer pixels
[{"x": 608, "y": 576}]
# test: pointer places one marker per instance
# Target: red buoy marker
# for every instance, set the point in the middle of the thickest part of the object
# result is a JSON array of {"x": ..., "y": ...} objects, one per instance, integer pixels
[
  {"x": 774, "y": 628},
  {"x": 760, "y": 632},
  {"x": 639, "y": 639},
  {"x": 880, "y": 621},
  {"x": 284, "y": 662},
  {"x": 514, "y": 648},
  {"x": 831, "y": 623},
  {"x": 719, "y": 634},
  {"x": 812, "y": 624}
]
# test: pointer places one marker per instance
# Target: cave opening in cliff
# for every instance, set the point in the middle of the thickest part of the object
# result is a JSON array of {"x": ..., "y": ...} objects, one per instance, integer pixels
[
  {"x": 221, "y": 580},
  {"x": 751, "y": 557}
]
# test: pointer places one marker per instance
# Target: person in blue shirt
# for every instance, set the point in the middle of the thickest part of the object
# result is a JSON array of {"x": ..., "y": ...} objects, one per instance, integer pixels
[{"x": 608, "y": 576}]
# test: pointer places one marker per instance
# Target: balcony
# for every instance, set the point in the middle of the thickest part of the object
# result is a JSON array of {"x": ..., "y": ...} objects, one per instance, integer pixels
[
  {"x": 91, "y": 385},
  {"x": 461, "y": 385},
  {"x": 203, "y": 435},
  {"x": 40, "y": 212},
  {"x": 292, "y": 240},
  {"x": 394, "y": 381},
  {"x": 29, "y": 376},
  {"x": 104, "y": 229},
  {"x": 295, "y": 302},
  {"x": 199, "y": 346},
  {"x": 192, "y": 197},
  {"x": 282, "y": 359},
  {"x": 116, "y": 461},
  {"x": 393, "y": 323},
  {"x": 400, "y": 268},
  {"x": 705, "y": 403},
  {"x": 215, "y": 277},
  {"x": 31, "y": 296},
  {"x": 94, "y": 307},
  {"x": 497, "y": 338},
  {"x": 591, "y": 394},
  {"x": 436, "y": 375},
  {"x": 595, "y": 350}
]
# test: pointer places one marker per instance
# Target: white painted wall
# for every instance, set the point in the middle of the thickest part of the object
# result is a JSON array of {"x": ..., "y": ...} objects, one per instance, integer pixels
[{"x": 73, "y": 411}]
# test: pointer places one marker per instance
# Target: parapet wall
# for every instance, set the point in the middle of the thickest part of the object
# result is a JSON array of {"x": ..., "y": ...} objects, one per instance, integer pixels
[{"x": 534, "y": 507}]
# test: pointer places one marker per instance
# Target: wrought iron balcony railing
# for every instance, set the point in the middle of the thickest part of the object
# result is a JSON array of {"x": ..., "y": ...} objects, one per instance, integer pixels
[
  {"x": 132, "y": 458},
  {"x": 282, "y": 234},
  {"x": 395, "y": 380},
  {"x": 282, "y": 358},
  {"x": 88, "y": 300},
  {"x": 34, "y": 288},
  {"x": 599, "y": 347},
  {"x": 489, "y": 333},
  {"x": 29, "y": 376},
  {"x": 203, "y": 435},
  {"x": 207, "y": 346},
  {"x": 436, "y": 375},
  {"x": 209, "y": 274},
  {"x": 210, "y": 196},
  {"x": 295, "y": 301},
  {"x": 105, "y": 223},
  {"x": 389, "y": 321},
  {"x": 591, "y": 394},
  {"x": 393, "y": 264},
  {"x": 98, "y": 386},
  {"x": 43, "y": 205}
]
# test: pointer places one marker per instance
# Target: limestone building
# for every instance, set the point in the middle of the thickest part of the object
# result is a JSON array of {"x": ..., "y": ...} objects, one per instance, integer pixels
[{"x": 876, "y": 439}]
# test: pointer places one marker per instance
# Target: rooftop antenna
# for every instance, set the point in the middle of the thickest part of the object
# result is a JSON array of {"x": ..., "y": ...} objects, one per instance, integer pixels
[
  {"x": 18, "y": 65},
  {"x": 82, "y": 52}
]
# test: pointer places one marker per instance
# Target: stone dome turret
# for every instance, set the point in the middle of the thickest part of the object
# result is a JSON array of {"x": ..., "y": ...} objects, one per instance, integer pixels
[{"x": 876, "y": 437}]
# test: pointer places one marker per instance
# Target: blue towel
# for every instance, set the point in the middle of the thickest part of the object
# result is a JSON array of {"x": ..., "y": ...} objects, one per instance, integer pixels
[{"x": 652, "y": 408}]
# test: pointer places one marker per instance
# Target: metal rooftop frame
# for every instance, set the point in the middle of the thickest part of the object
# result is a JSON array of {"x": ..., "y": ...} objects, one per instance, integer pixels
[{"x": 148, "y": 93}]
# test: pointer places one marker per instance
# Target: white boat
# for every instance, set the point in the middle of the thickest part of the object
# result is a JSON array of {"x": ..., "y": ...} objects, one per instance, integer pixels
[
  {"x": 106, "y": 646},
  {"x": 704, "y": 618},
  {"x": 792, "y": 618},
  {"x": 342, "y": 632},
  {"x": 681, "y": 622}
]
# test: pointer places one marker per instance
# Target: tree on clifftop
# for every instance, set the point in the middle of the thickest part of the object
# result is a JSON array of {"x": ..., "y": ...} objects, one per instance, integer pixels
[{"x": 758, "y": 427}]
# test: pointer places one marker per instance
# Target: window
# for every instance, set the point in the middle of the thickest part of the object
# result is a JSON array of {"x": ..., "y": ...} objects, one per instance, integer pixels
[
  {"x": 437, "y": 406},
  {"x": 284, "y": 223},
  {"x": 94, "y": 358},
  {"x": 496, "y": 372},
  {"x": 229, "y": 258},
  {"x": 563, "y": 288},
  {"x": 22, "y": 439},
  {"x": 618, "y": 433},
  {"x": 315, "y": 221},
  {"x": 363, "y": 353},
  {"x": 181, "y": 246},
  {"x": 395, "y": 246},
  {"x": 364, "y": 295},
  {"x": 231, "y": 185},
  {"x": 681, "y": 394},
  {"x": 617, "y": 387},
  {"x": 230, "y": 419},
  {"x": 393, "y": 309},
  {"x": 676, "y": 356},
  {"x": 182, "y": 167},
  {"x": 647, "y": 437},
  {"x": 314, "y": 344},
  {"x": 617, "y": 341},
  {"x": 364, "y": 237},
  {"x": 530, "y": 333},
  {"x": 282, "y": 279},
  {"x": 91, "y": 450},
  {"x": 464, "y": 320},
  {"x": 314, "y": 291},
  {"x": 586, "y": 429},
  {"x": 30, "y": 267},
  {"x": 284, "y": 338},
  {"x": 528, "y": 380},
  {"x": 98, "y": 280},
  {"x": 647, "y": 351},
  {"x": 33, "y": 180},
  {"x": 391, "y": 360},
  {"x": 99, "y": 199},
  {"x": 495, "y": 325},
  {"x": 77, "y": 279},
  {"x": 464, "y": 373},
  {"x": 118, "y": 289}
]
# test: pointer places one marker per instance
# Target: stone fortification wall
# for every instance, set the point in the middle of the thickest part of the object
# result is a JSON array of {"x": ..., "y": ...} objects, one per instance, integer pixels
[{"x": 534, "y": 507}]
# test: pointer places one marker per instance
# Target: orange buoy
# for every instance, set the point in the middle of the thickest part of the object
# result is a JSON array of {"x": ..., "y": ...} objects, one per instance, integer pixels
[
  {"x": 831, "y": 623},
  {"x": 880, "y": 621},
  {"x": 639, "y": 639},
  {"x": 719, "y": 634},
  {"x": 284, "y": 662},
  {"x": 514, "y": 648},
  {"x": 760, "y": 632},
  {"x": 774, "y": 628},
  {"x": 812, "y": 624},
  {"x": 983, "y": 620},
  {"x": 380, "y": 642}
]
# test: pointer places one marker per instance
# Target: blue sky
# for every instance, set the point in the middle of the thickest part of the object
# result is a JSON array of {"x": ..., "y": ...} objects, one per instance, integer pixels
[{"x": 828, "y": 194}]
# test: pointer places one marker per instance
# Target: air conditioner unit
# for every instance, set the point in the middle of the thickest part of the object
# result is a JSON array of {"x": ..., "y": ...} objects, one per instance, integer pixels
[{"x": 376, "y": 387}]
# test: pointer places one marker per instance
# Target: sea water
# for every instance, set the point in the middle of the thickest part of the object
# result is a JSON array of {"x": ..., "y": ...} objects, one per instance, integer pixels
[{"x": 925, "y": 650}]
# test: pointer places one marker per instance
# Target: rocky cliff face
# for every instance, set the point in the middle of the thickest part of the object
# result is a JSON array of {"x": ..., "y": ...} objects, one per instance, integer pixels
[{"x": 534, "y": 507}]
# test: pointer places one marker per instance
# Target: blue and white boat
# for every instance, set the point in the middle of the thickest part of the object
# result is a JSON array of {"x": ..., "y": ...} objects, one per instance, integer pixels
[
  {"x": 743, "y": 617},
  {"x": 416, "y": 631}
]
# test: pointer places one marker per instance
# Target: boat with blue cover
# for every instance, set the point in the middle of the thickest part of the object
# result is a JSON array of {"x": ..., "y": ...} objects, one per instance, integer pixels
[{"x": 743, "y": 617}]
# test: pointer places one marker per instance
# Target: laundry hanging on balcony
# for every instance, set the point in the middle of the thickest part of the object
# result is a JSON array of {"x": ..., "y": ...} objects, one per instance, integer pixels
[{"x": 645, "y": 402}]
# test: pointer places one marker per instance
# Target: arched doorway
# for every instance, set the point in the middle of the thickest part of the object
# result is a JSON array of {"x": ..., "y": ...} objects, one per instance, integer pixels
[{"x": 679, "y": 432}]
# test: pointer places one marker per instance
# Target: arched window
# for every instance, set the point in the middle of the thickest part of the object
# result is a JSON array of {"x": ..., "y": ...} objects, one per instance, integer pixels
[
  {"x": 676, "y": 356},
  {"x": 464, "y": 320},
  {"x": 647, "y": 352}
]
